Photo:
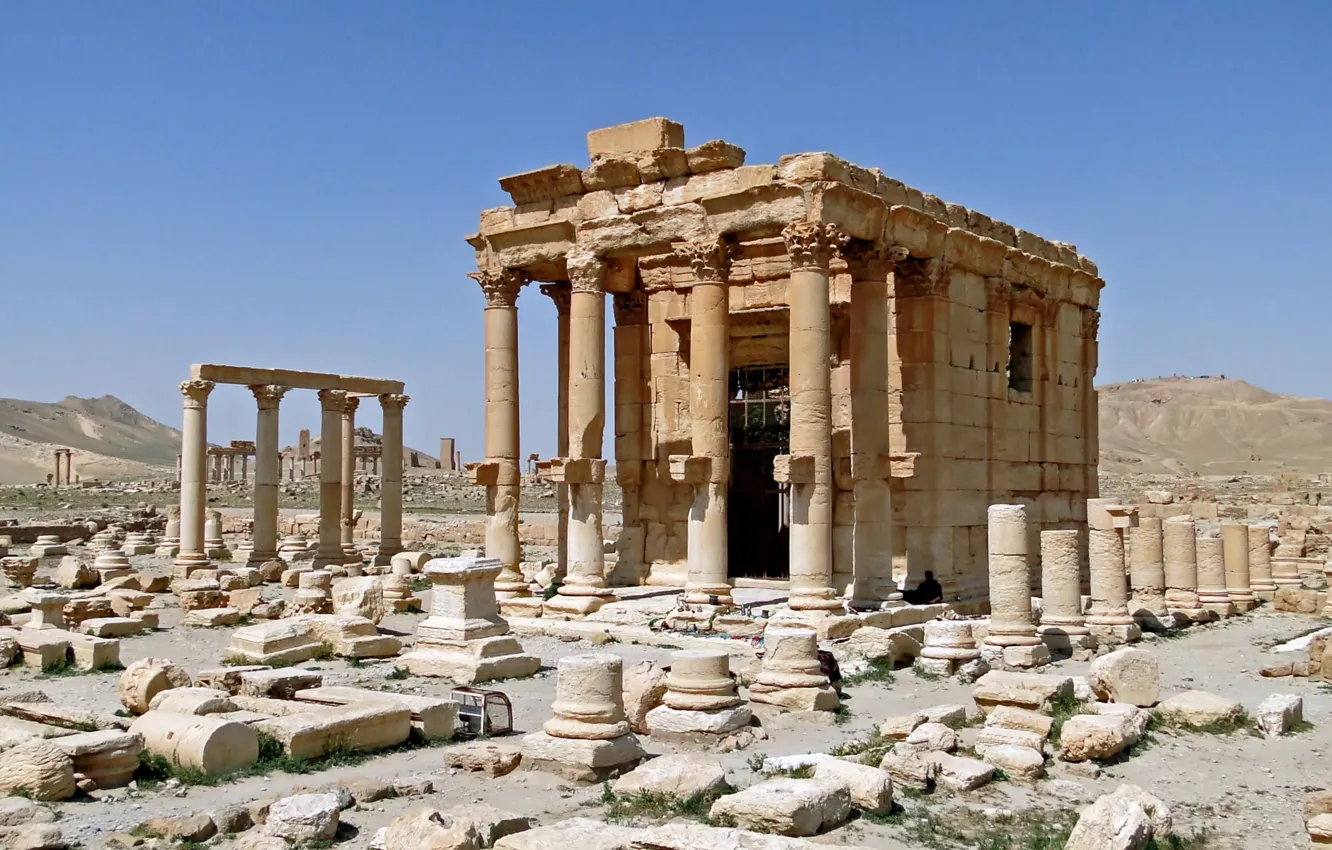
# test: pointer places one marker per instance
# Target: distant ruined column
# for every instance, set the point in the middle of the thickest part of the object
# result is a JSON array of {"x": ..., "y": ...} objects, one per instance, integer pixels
[
  {"x": 193, "y": 488},
  {"x": 329, "y": 552},
  {"x": 266, "y": 473},
  {"x": 1260, "y": 563},
  {"x": 347, "y": 521},
  {"x": 390, "y": 485},
  {"x": 1235, "y": 546}
]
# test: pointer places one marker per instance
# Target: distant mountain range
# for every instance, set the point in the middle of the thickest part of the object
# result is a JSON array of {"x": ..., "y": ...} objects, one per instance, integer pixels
[{"x": 108, "y": 437}]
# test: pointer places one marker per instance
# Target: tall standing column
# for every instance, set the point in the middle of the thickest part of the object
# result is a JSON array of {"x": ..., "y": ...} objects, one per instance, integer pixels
[
  {"x": 390, "y": 483},
  {"x": 1180, "y": 552},
  {"x": 1109, "y": 616},
  {"x": 329, "y": 552},
  {"x": 808, "y": 468},
  {"x": 1063, "y": 627},
  {"x": 56, "y": 483},
  {"x": 1212, "y": 592},
  {"x": 1260, "y": 563},
  {"x": 709, "y": 376},
  {"x": 1012, "y": 640},
  {"x": 347, "y": 518},
  {"x": 872, "y": 534},
  {"x": 500, "y": 473},
  {"x": 1235, "y": 546},
  {"x": 1147, "y": 570},
  {"x": 560, "y": 293},
  {"x": 193, "y": 487},
  {"x": 266, "y": 473},
  {"x": 585, "y": 589}
]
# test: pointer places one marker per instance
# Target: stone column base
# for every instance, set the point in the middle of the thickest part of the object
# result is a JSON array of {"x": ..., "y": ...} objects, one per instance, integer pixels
[
  {"x": 1221, "y": 609},
  {"x": 1194, "y": 615},
  {"x": 1264, "y": 594},
  {"x": 580, "y": 760},
  {"x": 521, "y": 606},
  {"x": 562, "y": 607},
  {"x": 469, "y": 662},
  {"x": 1116, "y": 633},
  {"x": 830, "y": 624},
  {"x": 794, "y": 699},
  {"x": 1243, "y": 605}
]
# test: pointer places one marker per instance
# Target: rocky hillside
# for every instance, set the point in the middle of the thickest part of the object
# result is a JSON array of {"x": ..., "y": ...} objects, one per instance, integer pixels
[
  {"x": 1212, "y": 426},
  {"x": 109, "y": 438}
]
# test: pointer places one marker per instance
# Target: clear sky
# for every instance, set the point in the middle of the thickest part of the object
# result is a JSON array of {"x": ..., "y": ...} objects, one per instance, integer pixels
[{"x": 289, "y": 184}]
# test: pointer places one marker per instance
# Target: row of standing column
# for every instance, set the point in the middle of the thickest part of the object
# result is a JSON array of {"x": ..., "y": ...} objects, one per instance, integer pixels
[{"x": 335, "y": 503}]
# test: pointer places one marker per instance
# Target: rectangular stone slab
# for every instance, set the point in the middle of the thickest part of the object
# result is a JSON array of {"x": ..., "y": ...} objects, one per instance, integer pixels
[
  {"x": 248, "y": 376},
  {"x": 434, "y": 718},
  {"x": 364, "y": 727}
]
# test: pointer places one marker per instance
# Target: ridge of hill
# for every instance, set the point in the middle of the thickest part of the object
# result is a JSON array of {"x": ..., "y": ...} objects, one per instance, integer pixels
[{"x": 1211, "y": 425}]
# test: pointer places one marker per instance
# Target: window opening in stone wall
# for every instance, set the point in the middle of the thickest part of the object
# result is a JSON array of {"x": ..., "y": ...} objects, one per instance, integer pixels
[{"x": 1019, "y": 357}]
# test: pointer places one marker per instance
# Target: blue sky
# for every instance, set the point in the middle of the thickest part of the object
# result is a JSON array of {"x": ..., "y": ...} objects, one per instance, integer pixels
[{"x": 289, "y": 183}]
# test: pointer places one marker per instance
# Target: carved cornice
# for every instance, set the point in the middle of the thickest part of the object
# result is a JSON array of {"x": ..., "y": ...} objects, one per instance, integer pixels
[
  {"x": 196, "y": 393},
  {"x": 561, "y": 293},
  {"x": 630, "y": 308},
  {"x": 587, "y": 272},
  {"x": 708, "y": 258},
  {"x": 500, "y": 287},
  {"x": 393, "y": 401},
  {"x": 812, "y": 245},
  {"x": 268, "y": 395},
  {"x": 332, "y": 399},
  {"x": 873, "y": 260}
]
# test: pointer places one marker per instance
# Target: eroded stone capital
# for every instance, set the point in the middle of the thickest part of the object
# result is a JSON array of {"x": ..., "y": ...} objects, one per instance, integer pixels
[
  {"x": 501, "y": 287},
  {"x": 630, "y": 307},
  {"x": 332, "y": 399},
  {"x": 393, "y": 401},
  {"x": 921, "y": 279},
  {"x": 1091, "y": 323},
  {"x": 349, "y": 405},
  {"x": 873, "y": 260},
  {"x": 561, "y": 293},
  {"x": 268, "y": 395},
  {"x": 196, "y": 392},
  {"x": 708, "y": 258},
  {"x": 812, "y": 245},
  {"x": 587, "y": 271}
]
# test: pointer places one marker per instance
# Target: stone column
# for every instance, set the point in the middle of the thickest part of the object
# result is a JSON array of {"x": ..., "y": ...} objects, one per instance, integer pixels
[
  {"x": 347, "y": 517},
  {"x": 1011, "y": 640},
  {"x": 390, "y": 485},
  {"x": 57, "y": 469},
  {"x": 872, "y": 532},
  {"x": 1179, "y": 546},
  {"x": 193, "y": 488},
  {"x": 500, "y": 473},
  {"x": 808, "y": 468},
  {"x": 266, "y": 474},
  {"x": 329, "y": 551},
  {"x": 709, "y": 377},
  {"x": 245, "y": 467},
  {"x": 560, "y": 293},
  {"x": 1063, "y": 627},
  {"x": 1212, "y": 577},
  {"x": 1260, "y": 563},
  {"x": 1235, "y": 548},
  {"x": 1147, "y": 571},
  {"x": 1109, "y": 616},
  {"x": 585, "y": 589}
]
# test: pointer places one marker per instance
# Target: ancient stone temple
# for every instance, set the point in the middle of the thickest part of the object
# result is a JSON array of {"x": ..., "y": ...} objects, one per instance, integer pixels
[{"x": 822, "y": 376}]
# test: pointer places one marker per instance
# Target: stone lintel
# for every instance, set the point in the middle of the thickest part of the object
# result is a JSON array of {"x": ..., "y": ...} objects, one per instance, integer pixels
[
  {"x": 250, "y": 376},
  {"x": 794, "y": 469},
  {"x": 576, "y": 470},
  {"x": 543, "y": 184}
]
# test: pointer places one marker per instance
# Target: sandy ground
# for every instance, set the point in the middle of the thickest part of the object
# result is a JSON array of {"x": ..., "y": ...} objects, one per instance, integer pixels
[{"x": 1247, "y": 790}]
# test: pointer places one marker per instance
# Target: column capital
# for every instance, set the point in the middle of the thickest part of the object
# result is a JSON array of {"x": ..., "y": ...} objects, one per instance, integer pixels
[
  {"x": 268, "y": 395},
  {"x": 501, "y": 287},
  {"x": 559, "y": 292},
  {"x": 923, "y": 279},
  {"x": 393, "y": 401},
  {"x": 812, "y": 245},
  {"x": 587, "y": 271},
  {"x": 630, "y": 307},
  {"x": 196, "y": 392},
  {"x": 873, "y": 260},
  {"x": 707, "y": 257},
  {"x": 332, "y": 399},
  {"x": 349, "y": 404}
]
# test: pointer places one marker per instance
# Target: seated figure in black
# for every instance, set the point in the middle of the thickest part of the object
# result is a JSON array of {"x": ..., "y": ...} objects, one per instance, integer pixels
[{"x": 927, "y": 592}]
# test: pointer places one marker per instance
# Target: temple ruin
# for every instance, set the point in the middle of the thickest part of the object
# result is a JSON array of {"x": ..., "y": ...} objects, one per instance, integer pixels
[{"x": 823, "y": 377}]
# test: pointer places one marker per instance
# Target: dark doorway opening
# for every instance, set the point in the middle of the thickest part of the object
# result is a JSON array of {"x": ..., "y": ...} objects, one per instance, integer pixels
[{"x": 758, "y": 508}]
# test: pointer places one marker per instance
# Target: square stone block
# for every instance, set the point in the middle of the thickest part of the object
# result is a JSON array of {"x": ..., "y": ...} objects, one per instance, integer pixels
[{"x": 579, "y": 760}]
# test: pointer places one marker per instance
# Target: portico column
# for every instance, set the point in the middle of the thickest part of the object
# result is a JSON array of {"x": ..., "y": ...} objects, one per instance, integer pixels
[
  {"x": 585, "y": 589},
  {"x": 245, "y": 467},
  {"x": 709, "y": 376},
  {"x": 872, "y": 533},
  {"x": 390, "y": 484},
  {"x": 194, "y": 459},
  {"x": 266, "y": 473},
  {"x": 57, "y": 469},
  {"x": 808, "y": 468},
  {"x": 329, "y": 551},
  {"x": 347, "y": 519},
  {"x": 561, "y": 294},
  {"x": 499, "y": 473}
]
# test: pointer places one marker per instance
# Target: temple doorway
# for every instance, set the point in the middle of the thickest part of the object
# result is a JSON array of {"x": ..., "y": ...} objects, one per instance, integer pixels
[{"x": 759, "y": 509}]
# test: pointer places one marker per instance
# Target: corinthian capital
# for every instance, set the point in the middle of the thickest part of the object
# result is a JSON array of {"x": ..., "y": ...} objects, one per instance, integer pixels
[
  {"x": 349, "y": 404},
  {"x": 500, "y": 287},
  {"x": 332, "y": 399},
  {"x": 268, "y": 395},
  {"x": 196, "y": 392},
  {"x": 812, "y": 245},
  {"x": 560, "y": 293},
  {"x": 873, "y": 260},
  {"x": 393, "y": 401},
  {"x": 587, "y": 271},
  {"x": 707, "y": 258}
]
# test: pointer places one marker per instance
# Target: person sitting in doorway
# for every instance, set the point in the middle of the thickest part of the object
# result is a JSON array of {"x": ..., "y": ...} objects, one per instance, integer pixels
[{"x": 928, "y": 592}]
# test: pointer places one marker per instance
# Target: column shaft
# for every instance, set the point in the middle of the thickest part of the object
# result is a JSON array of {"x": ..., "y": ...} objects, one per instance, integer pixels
[
  {"x": 1180, "y": 554},
  {"x": 1147, "y": 569},
  {"x": 1235, "y": 545},
  {"x": 347, "y": 518},
  {"x": 193, "y": 471},
  {"x": 390, "y": 483},
  {"x": 267, "y": 473},
  {"x": 329, "y": 550}
]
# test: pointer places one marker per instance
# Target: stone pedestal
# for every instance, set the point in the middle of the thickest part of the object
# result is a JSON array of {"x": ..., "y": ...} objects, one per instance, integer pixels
[
  {"x": 1179, "y": 546},
  {"x": 1011, "y": 640},
  {"x": 112, "y": 563},
  {"x": 48, "y": 609},
  {"x": 791, "y": 678},
  {"x": 314, "y": 594},
  {"x": 48, "y": 546},
  {"x": 294, "y": 547},
  {"x": 1063, "y": 628},
  {"x": 1261, "y": 581},
  {"x": 702, "y": 705},
  {"x": 588, "y": 739},
  {"x": 1109, "y": 617},
  {"x": 465, "y": 639},
  {"x": 948, "y": 645},
  {"x": 1235, "y": 554},
  {"x": 1212, "y": 592},
  {"x": 1147, "y": 572},
  {"x": 397, "y": 592},
  {"x": 214, "y": 545}
]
